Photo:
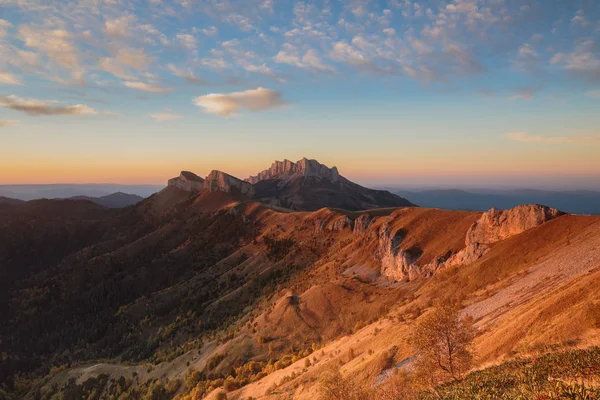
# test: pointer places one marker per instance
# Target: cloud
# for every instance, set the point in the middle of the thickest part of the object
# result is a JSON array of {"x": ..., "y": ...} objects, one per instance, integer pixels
[
  {"x": 134, "y": 58},
  {"x": 55, "y": 43},
  {"x": 164, "y": 116},
  {"x": 524, "y": 93},
  {"x": 582, "y": 62},
  {"x": 41, "y": 107},
  {"x": 8, "y": 122},
  {"x": 146, "y": 87},
  {"x": 119, "y": 27},
  {"x": 311, "y": 60},
  {"x": 210, "y": 31},
  {"x": 526, "y": 138},
  {"x": 4, "y": 25},
  {"x": 8, "y": 78},
  {"x": 228, "y": 104},
  {"x": 114, "y": 67},
  {"x": 189, "y": 76},
  {"x": 188, "y": 41},
  {"x": 595, "y": 94}
]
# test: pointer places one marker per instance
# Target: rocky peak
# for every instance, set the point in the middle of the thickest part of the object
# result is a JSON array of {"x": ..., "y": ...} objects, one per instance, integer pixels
[
  {"x": 220, "y": 181},
  {"x": 187, "y": 181},
  {"x": 288, "y": 170}
]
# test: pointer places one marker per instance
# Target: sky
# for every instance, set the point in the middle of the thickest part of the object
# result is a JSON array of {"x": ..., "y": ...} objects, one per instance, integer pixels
[{"x": 399, "y": 92}]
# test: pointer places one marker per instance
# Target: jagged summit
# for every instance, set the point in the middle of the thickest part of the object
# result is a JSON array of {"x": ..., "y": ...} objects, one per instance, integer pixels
[
  {"x": 288, "y": 170},
  {"x": 215, "y": 181},
  {"x": 304, "y": 185}
]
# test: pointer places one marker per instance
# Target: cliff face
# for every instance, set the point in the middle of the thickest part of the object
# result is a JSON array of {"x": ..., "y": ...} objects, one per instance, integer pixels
[
  {"x": 187, "y": 181},
  {"x": 220, "y": 181},
  {"x": 288, "y": 170},
  {"x": 215, "y": 181},
  {"x": 493, "y": 226}
]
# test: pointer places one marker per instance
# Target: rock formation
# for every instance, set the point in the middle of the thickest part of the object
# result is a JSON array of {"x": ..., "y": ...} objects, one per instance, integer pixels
[
  {"x": 287, "y": 170},
  {"x": 220, "y": 181},
  {"x": 399, "y": 264},
  {"x": 309, "y": 185},
  {"x": 215, "y": 181},
  {"x": 187, "y": 181}
]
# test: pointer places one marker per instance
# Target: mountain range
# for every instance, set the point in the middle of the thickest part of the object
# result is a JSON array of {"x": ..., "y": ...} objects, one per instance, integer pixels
[
  {"x": 260, "y": 287},
  {"x": 572, "y": 201}
]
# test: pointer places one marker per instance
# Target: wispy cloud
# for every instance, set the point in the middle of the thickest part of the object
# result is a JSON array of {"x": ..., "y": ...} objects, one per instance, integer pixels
[
  {"x": 188, "y": 75},
  {"x": 228, "y": 104},
  {"x": 8, "y": 78},
  {"x": 40, "y": 107},
  {"x": 527, "y": 138},
  {"x": 164, "y": 116},
  {"x": 147, "y": 87}
]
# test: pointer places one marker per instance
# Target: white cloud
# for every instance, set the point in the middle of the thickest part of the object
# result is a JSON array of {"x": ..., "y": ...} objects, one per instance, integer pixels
[
  {"x": 41, "y": 107},
  {"x": 164, "y": 116},
  {"x": 8, "y": 78},
  {"x": 188, "y": 41},
  {"x": 56, "y": 44},
  {"x": 146, "y": 87},
  {"x": 526, "y": 138},
  {"x": 4, "y": 25},
  {"x": 114, "y": 67},
  {"x": 134, "y": 58},
  {"x": 582, "y": 62},
  {"x": 311, "y": 60},
  {"x": 228, "y": 104},
  {"x": 210, "y": 31},
  {"x": 214, "y": 63},
  {"x": 119, "y": 27}
]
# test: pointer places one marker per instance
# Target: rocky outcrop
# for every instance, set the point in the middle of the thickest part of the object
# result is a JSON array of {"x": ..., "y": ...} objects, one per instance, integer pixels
[
  {"x": 215, "y": 181},
  {"x": 288, "y": 170},
  {"x": 362, "y": 223},
  {"x": 399, "y": 264},
  {"x": 187, "y": 181},
  {"x": 495, "y": 225},
  {"x": 220, "y": 181}
]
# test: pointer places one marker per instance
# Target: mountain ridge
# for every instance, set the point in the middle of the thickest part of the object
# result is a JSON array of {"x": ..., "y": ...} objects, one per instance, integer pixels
[{"x": 303, "y": 185}]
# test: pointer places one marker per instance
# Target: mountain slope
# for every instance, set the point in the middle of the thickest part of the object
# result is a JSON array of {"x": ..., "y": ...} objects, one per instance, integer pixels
[{"x": 217, "y": 290}]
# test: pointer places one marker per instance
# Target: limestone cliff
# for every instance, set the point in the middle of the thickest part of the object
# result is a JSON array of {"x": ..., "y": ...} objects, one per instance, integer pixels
[
  {"x": 288, "y": 170},
  {"x": 220, "y": 181},
  {"x": 398, "y": 263},
  {"x": 187, "y": 181}
]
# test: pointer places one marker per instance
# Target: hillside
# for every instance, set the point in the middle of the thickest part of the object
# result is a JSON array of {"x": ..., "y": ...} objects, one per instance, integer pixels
[{"x": 202, "y": 288}]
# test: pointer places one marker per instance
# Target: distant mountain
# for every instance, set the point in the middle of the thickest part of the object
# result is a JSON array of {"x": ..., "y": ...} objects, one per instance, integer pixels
[
  {"x": 9, "y": 201},
  {"x": 575, "y": 201},
  {"x": 309, "y": 185},
  {"x": 115, "y": 200},
  {"x": 63, "y": 191}
]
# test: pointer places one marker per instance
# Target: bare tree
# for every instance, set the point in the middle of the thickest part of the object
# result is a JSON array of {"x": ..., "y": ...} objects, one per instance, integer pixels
[{"x": 442, "y": 343}]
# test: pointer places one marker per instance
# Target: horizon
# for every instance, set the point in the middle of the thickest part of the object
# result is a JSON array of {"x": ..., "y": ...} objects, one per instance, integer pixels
[{"x": 458, "y": 92}]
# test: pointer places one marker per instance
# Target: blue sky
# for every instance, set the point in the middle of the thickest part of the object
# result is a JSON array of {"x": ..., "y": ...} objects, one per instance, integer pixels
[{"x": 469, "y": 92}]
